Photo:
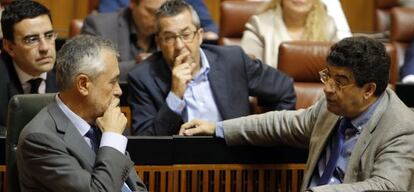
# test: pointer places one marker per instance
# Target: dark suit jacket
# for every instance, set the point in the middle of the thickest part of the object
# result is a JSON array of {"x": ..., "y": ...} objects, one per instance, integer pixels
[
  {"x": 53, "y": 156},
  {"x": 119, "y": 28},
  {"x": 408, "y": 67},
  {"x": 233, "y": 77},
  {"x": 10, "y": 85}
]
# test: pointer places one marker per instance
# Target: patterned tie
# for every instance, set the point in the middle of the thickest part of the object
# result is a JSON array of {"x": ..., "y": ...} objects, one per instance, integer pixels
[
  {"x": 34, "y": 85},
  {"x": 94, "y": 135},
  {"x": 338, "y": 142}
]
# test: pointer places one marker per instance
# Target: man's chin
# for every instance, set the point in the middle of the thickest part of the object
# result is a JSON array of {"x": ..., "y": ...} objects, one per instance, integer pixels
[{"x": 333, "y": 109}]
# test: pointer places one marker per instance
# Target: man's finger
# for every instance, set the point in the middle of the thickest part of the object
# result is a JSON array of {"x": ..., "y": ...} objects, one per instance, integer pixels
[
  {"x": 179, "y": 59},
  {"x": 188, "y": 125},
  {"x": 114, "y": 103}
]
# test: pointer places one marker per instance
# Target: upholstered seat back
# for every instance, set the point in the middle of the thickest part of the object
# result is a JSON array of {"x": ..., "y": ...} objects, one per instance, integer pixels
[
  {"x": 302, "y": 60},
  {"x": 233, "y": 16},
  {"x": 22, "y": 108},
  {"x": 402, "y": 30},
  {"x": 382, "y": 14}
]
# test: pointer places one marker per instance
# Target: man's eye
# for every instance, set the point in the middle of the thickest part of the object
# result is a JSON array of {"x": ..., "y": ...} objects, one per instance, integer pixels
[
  {"x": 186, "y": 35},
  {"x": 49, "y": 35},
  {"x": 338, "y": 83},
  {"x": 31, "y": 40}
]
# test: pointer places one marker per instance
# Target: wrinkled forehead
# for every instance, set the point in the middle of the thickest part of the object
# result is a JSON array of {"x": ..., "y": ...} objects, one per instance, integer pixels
[
  {"x": 340, "y": 72},
  {"x": 177, "y": 23}
]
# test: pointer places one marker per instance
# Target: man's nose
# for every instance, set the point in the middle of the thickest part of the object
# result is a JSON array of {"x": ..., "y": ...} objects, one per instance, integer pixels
[
  {"x": 118, "y": 90},
  {"x": 44, "y": 45}
]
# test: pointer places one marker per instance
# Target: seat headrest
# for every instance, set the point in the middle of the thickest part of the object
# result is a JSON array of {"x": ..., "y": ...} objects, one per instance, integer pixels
[{"x": 302, "y": 60}]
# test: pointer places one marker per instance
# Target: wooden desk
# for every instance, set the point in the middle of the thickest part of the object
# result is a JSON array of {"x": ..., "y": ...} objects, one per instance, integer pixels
[{"x": 182, "y": 164}]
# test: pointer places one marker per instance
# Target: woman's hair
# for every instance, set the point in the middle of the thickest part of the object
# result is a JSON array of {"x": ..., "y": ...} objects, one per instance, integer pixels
[{"x": 315, "y": 22}]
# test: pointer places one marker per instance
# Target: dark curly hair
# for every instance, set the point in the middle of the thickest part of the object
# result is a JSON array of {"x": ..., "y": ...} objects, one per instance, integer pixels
[
  {"x": 367, "y": 58},
  {"x": 17, "y": 11}
]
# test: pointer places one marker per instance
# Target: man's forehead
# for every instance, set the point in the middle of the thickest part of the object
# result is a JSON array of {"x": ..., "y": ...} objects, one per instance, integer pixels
[
  {"x": 36, "y": 25},
  {"x": 176, "y": 23},
  {"x": 345, "y": 72},
  {"x": 155, "y": 4},
  {"x": 175, "y": 29}
]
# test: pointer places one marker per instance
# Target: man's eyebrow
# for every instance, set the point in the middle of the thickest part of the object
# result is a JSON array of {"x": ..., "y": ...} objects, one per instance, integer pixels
[
  {"x": 341, "y": 76},
  {"x": 171, "y": 32},
  {"x": 37, "y": 34}
]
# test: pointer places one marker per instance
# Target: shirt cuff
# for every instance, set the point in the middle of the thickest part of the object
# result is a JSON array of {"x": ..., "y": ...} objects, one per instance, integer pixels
[
  {"x": 408, "y": 79},
  {"x": 114, "y": 140},
  {"x": 219, "y": 130},
  {"x": 175, "y": 104}
]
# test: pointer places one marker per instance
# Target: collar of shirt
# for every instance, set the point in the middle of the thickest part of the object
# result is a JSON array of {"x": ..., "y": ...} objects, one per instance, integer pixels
[
  {"x": 204, "y": 69},
  {"x": 80, "y": 124},
  {"x": 24, "y": 77},
  {"x": 363, "y": 118}
]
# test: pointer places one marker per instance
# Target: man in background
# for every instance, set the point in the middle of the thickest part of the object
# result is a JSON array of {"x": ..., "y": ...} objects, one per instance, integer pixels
[
  {"x": 187, "y": 80},
  {"x": 132, "y": 29},
  {"x": 28, "y": 55}
]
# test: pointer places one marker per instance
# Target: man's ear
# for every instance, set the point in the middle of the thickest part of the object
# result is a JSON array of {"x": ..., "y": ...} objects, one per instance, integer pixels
[
  {"x": 157, "y": 40},
  {"x": 8, "y": 46},
  {"x": 370, "y": 89},
  {"x": 200, "y": 35},
  {"x": 82, "y": 84}
]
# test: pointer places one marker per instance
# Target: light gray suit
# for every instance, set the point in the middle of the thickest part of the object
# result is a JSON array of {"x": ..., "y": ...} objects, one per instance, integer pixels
[
  {"x": 53, "y": 156},
  {"x": 382, "y": 159}
]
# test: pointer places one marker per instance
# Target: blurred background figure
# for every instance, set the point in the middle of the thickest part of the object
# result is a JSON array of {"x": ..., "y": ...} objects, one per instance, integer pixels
[
  {"x": 132, "y": 29},
  {"x": 286, "y": 20},
  {"x": 210, "y": 28},
  {"x": 407, "y": 3},
  {"x": 112, "y": 5}
]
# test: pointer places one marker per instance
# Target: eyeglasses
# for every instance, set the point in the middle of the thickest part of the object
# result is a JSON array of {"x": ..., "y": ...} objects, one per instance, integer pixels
[
  {"x": 329, "y": 81},
  {"x": 186, "y": 37},
  {"x": 34, "y": 40}
]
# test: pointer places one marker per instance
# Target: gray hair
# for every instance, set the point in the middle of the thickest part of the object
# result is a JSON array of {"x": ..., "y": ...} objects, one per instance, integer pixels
[
  {"x": 173, "y": 8},
  {"x": 81, "y": 54}
]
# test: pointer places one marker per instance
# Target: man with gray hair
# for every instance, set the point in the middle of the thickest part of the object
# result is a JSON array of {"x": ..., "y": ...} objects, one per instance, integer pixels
[
  {"x": 76, "y": 142},
  {"x": 187, "y": 80}
]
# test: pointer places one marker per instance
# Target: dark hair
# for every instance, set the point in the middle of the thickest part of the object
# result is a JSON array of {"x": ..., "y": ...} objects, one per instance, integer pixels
[
  {"x": 17, "y": 11},
  {"x": 173, "y": 8},
  {"x": 367, "y": 58}
]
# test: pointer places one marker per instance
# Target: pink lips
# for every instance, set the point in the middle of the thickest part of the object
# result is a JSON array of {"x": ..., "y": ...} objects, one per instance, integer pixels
[
  {"x": 44, "y": 59},
  {"x": 299, "y": 2}
]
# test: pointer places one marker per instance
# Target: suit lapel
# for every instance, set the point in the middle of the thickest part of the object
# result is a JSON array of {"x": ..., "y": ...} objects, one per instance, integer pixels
[
  {"x": 14, "y": 87},
  {"x": 161, "y": 73},
  {"x": 319, "y": 140},
  {"x": 218, "y": 83},
  {"x": 72, "y": 137},
  {"x": 362, "y": 144}
]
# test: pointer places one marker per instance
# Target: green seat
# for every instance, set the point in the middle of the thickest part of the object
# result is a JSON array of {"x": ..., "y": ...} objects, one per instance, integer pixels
[{"x": 22, "y": 108}]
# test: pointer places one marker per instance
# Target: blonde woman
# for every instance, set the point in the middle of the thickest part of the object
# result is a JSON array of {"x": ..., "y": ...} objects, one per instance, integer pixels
[{"x": 286, "y": 20}]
